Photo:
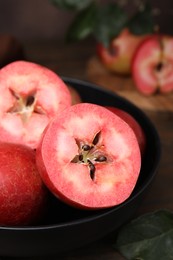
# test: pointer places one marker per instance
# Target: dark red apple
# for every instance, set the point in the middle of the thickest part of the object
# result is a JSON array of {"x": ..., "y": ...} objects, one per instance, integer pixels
[
  {"x": 152, "y": 66},
  {"x": 89, "y": 157},
  {"x": 23, "y": 195},
  {"x": 132, "y": 122},
  {"x": 118, "y": 56},
  {"x": 30, "y": 96}
]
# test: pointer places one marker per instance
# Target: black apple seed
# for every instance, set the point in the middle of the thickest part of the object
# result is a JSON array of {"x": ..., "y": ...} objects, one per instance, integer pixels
[
  {"x": 101, "y": 158},
  {"x": 86, "y": 147},
  {"x": 80, "y": 157},
  {"x": 96, "y": 138},
  {"x": 30, "y": 101},
  {"x": 159, "y": 66},
  {"x": 92, "y": 169}
]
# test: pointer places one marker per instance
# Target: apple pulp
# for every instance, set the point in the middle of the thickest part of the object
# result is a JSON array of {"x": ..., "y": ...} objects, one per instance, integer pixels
[
  {"x": 89, "y": 158},
  {"x": 23, "y": 195},
  {"x": 132, "y": 122},
  {"x": 152, "y": 66},
  {"x": 30, "y": 96}
]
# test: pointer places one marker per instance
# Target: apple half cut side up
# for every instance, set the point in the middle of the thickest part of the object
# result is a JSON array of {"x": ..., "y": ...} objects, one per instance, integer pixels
[
  {"x": 152, "y": 66},
  {"x": 30, "y": 96},
  {"x": 89, "y": 158}
]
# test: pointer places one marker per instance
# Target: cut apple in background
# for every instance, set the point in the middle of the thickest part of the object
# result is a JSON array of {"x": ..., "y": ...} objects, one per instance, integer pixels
[
  {"x": 118, "y": 56},
  {"x": 30, "y": 96},
  {"x": 152, "y": 66},
  {"x": 89, "y": 157},
  {"x": 132, "y": 122}
]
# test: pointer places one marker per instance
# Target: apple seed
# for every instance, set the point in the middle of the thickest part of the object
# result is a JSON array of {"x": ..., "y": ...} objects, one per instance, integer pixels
[
  {"x": 86, "y": 147},
  {"x": 96, "y": 138},
  {"x": 101, "y": 158},
  {"x": 30, "y": 100},
  {"x": 92, "y": 169}
]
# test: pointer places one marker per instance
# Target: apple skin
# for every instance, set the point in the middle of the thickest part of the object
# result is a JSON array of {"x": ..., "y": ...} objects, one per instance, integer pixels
[
  {"x": 78, "y": 177},
  {"x": 132, "y": 122},
  {"x": 30, "y": 96},
  {"x": 152, "y": 65},
  {"x": 23, "y": 195},
  {"x": 76, "y": 98},
  {"x": 118, "y": 56}
]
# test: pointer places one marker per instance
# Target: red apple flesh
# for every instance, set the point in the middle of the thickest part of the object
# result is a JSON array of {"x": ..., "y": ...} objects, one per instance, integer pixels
[
  {"x": 132, "y": 122},
  {"x": 30, "y": 96},
  {"x": 118, "y": 56},
  {"x": 23, "y": 195},
  {"x": 152, "y": 66},
  {"x": 89, "y": 158}
]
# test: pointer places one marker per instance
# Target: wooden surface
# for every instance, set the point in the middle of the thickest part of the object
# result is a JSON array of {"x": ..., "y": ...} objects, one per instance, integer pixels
[{"x": 78, "y": 61}]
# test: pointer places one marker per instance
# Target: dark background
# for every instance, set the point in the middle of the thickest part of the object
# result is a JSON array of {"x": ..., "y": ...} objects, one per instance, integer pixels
[{"x": 31, "y": 20}]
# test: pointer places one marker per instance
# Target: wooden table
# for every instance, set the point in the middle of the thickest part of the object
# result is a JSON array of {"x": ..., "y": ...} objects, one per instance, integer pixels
[{"x": 78, "y": 60}]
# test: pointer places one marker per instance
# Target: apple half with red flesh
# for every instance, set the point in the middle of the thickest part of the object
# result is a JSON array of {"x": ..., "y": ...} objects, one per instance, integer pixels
[
  {"x": 152, "y": 66},
  {"x": 89, "y": 158},
  {"x": 118, "y": 56},
  {"x": 132, "y": 122},
  {"x": 30, "y": 96},
  {"x": 23, "y": 195}
]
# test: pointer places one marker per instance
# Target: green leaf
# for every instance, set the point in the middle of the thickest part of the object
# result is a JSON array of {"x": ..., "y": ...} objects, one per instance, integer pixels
[
  {"x": 83, "y": 24},
  {"x": 110, "y": 20},
  {"x": 142, "y": 22},
  {"x": 75, "y": 5},
  {"x": 149, "y": 237}
]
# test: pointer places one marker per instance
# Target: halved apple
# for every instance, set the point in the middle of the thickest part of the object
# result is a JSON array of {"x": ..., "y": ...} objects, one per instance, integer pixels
[
  {"x": 30, "y": 96},
  {"x": 89, "y": 157},
  {"x": 152, "y": 66}
]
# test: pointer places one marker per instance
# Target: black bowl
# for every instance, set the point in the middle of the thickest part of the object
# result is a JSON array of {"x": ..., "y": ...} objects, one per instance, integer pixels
[{"x": 65, "y": 228}]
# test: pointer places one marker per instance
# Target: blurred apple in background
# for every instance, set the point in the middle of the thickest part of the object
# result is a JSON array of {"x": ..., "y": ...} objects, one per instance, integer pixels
[
  {"x": 117, "y": 30},
  {"x": 117, "y": 57},
  {"x": 152, "y": 67}
]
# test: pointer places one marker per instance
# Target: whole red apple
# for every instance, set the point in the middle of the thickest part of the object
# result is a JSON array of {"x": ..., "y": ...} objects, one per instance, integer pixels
[
  {"x": 118, "y": 56},
  {"x": 152, "y": 66},
  {"x": 30, "y": 96},
  {"x": 132, "y": 122},
  {"x": 89, "y": 157},
  {"x": 22, "y": 193}
]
